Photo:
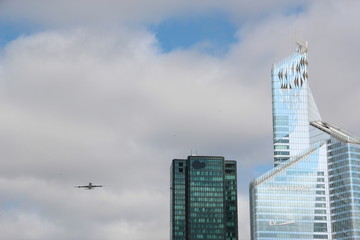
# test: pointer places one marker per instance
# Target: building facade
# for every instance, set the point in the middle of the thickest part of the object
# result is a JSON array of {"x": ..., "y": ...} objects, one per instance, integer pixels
[
  {"x": 203, "y": 199},
  {"x": 313, "y": 191},
  {"x": 293, "y": 107},
  {"x": 292, "y": 200},
  {"x": 343, "y": 151}
]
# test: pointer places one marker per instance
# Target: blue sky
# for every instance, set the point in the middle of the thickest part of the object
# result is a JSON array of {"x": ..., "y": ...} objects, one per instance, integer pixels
[
  {"x": 11, "y": 30},
  {"x": 215, "y": 29}
]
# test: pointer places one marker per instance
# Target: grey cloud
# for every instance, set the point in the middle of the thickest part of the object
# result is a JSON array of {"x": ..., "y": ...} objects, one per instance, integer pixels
[
  {"x": 93, "y": 12},
  {"x": 71, "y": 115},
  {"x": 80, "y": 106}
]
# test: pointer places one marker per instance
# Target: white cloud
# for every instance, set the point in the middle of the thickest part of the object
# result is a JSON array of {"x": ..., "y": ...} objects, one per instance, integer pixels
[
  {"x": 79, "y": 107},
  {"x": 106, "y": 106},
  {"x": 22, "y": 226}
]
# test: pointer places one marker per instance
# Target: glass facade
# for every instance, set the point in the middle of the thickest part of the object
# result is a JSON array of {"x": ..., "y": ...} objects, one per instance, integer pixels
[
  {"x": 313, "y": 192},
  {"x": 230, "y": 195},
  {"x": 344, "y": 166},
  {"x": 292, "y": 200},
  {"x": 293, "y": 107},
  {"x": 178, "y": 204},
  {"x": 203, "y": 199}
]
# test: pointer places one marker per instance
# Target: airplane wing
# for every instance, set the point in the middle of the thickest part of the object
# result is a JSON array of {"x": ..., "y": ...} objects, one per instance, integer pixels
[{"x": 90, "y": 186}]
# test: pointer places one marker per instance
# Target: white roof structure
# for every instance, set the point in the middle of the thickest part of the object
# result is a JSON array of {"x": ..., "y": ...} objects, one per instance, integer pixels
[{"x": 336, "y": 132}]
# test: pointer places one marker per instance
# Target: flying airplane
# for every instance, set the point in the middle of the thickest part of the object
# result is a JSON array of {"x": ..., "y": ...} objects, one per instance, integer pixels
[{"x": 89, "y": 187}]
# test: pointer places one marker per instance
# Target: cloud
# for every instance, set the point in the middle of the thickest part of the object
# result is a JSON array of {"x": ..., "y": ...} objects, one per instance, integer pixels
[
  {"x": 80, "y": 107},
  {"x": 28, "y": 226},
  {"x": 46, "y": 207},
  {"x": 93, "y": 12},
  {"x": 84, "y": 104}
]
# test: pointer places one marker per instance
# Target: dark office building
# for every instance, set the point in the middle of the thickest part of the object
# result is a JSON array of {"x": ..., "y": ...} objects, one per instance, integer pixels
[{"x": 203, "y": 199}]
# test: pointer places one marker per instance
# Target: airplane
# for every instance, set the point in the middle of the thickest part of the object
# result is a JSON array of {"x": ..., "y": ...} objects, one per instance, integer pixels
[{"x": 89, "y": 187}]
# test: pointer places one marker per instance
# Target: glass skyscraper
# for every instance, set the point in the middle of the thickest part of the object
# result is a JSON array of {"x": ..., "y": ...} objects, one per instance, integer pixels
[
  {"x": 313, "y": 192},
  {"x": 203, "y": 199},
  {"x": 292, "y": 200},
  {"x": 343, "y": 150},
  {"x": 293, "y": 107}
]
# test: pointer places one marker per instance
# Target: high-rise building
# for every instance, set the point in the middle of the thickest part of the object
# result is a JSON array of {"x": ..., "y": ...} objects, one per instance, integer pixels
[
  {"x": 292, "y": 200},
  {"x": 343, "y": 150},
  {"x": 293, "y": 107},
  {"x": 313, "y": 192},
  {"x": 203, "y": 199}
]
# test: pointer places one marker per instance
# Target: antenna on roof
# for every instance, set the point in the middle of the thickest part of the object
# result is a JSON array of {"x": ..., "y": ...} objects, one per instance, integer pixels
[
  {"x": 302, "y": 46},
  {"x": 193, "y": 154}
]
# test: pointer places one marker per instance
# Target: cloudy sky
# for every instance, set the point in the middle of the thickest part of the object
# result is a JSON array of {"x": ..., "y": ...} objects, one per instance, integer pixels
[{"x": 110, "y": 91}]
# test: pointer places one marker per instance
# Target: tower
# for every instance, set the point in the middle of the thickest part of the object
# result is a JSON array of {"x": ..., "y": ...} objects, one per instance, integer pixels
[
  {"x": 203, "y": 198},
  {"x": 291, "y": 201},
  {"x": 343, "y": 150},
  {"x": 313, "y": 192},
  {"x": 293, "y": 106}
]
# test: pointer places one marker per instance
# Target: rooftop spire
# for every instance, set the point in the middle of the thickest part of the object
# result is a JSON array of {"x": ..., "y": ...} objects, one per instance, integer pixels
[{"x": 302, "y": 46}]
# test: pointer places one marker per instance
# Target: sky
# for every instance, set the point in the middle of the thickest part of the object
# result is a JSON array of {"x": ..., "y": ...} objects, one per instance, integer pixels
[{"x": 111, "y": 91}]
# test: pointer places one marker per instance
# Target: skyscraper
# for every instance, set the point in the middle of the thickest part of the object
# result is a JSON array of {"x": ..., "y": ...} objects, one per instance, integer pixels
[
  {"x": 343, "y": 149},
  {"x": 313, "y": 191},
  {"x": 203, "y": 198},
  {"x": 293, "y": 107},
  {"x": 292, "y": 200}
]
